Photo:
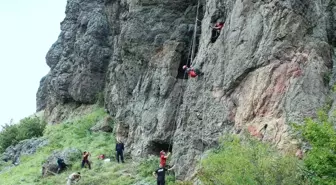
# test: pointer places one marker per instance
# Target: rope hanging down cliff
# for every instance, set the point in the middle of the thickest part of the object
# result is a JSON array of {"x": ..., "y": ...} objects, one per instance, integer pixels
[{"x": 192, "y": 49}]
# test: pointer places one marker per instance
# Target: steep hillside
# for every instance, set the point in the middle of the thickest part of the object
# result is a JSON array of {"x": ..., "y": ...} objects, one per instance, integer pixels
[
  {"x": 74, "y": 135},
  {"x": 272, "y": 64}
]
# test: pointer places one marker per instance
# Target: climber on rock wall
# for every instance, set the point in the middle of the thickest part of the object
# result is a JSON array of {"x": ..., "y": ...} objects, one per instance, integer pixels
[
  {"x": 216, "y": 30},
  {"x": 191, "y": 71}
]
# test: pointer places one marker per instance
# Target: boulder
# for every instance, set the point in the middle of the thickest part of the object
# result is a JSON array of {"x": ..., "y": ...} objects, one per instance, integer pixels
[
  {"x": 25, "y": 147},
  {"x": 70, "y": 155},
  {"x": 104, "y": 125}
]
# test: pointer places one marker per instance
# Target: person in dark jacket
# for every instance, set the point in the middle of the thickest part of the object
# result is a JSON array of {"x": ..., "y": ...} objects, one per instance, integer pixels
[
  {"x": 160, "y": 174},
  {"x": 61, "y": 165},
  {"x": 120, "y": 151}
]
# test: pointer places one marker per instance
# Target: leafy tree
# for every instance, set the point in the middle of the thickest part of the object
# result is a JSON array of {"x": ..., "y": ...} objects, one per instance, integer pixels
[
  {"x": 27, "y": 128},
  {"x": 8, "y": 136},
  {"x": 30, "y": 127},
  {"x": 320, "y": 160}
]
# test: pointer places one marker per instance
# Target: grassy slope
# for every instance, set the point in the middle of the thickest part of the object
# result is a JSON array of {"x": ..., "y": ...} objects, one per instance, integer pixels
[{"x": 75, "y": 134}]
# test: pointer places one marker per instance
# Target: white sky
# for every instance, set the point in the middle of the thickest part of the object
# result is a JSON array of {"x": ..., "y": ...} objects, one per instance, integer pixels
[{"x": 28, "y": 28}]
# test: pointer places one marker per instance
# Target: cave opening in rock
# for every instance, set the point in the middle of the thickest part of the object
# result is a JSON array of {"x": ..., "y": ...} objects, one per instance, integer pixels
[{"x": 155, "y": 147}]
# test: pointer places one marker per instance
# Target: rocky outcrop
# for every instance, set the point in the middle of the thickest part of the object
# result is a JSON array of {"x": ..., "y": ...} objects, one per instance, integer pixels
[
  {"x": 79, "y": 58},
  {"x": 104, "y": 125},
  {"x": 271, "y": 64},
  {"x": 25, "y": 147},
  {"x": 70, "y": 155}
]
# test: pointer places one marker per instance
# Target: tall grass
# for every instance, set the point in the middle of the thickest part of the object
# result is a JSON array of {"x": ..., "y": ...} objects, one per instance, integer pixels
[
  {"x": 248, "y": 161},
  {"x": 74, "y": 134}
]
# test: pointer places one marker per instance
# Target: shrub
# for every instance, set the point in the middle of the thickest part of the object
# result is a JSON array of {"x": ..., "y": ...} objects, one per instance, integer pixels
[
  {"x": 30, "y": 127},
  {"x": 147, "y": 166},
  {"x": 8, "y": 136},
  {"x": 248, "y": 161},
  {"x": 320, "y": 161},
  {"x": 27, "y": 128}
]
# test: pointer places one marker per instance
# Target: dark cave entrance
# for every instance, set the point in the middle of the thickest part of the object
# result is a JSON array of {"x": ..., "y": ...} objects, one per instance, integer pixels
[{"x": 155, "y": 147}]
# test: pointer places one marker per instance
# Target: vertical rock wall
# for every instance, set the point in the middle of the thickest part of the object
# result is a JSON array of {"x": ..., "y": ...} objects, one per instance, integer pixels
[{"x": 270, "y": 65}]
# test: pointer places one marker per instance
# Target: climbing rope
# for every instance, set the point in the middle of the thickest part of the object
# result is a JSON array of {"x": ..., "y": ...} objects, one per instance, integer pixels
[
  {"x": 191, "y": 53},
  {"x": 195, "y": 33},
  {"x": 181, "y": 96}
]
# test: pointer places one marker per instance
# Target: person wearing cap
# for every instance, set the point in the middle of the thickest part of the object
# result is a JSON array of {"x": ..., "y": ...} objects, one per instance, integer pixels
[
  {"x": 163, "y": 158},
  {"x": 74, "y": 178},
  {"x": 191, "y": 71}
]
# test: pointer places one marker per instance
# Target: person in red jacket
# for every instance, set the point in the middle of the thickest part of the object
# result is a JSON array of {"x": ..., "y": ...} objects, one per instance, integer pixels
[
  {"x": 216, "y": 30},
  {"x": 163, "y": 158},
  {"x": 191, "y": 71}
]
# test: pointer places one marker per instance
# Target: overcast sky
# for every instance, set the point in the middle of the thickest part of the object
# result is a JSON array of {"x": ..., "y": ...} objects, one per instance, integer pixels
[{"x": 27, "y": 30}]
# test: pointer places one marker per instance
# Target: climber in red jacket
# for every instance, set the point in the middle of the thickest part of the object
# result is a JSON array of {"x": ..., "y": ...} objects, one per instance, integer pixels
[
  {"x": 216, "y": 30},
  {"x": 191, "y": 71}
]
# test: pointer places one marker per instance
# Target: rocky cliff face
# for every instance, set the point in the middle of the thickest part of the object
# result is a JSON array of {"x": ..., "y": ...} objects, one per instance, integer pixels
[{"x": 270, "y": 65}]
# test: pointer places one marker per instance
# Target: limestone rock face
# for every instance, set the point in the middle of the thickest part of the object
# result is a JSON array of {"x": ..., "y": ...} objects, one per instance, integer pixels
[
  {"x": 79, "y": 58},
  {"x": 25, "y": 147},
  {"x": 272, "y": 64},
  {"x": 104, "y": 125}
]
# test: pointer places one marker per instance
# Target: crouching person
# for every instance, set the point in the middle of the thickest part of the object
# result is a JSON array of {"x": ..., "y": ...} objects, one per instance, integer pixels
[{"x": 73, "y": 178}]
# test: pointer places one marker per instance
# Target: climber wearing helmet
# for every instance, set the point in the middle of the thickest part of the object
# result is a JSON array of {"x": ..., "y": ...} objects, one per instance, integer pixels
[{"x": 191, "y": 71}]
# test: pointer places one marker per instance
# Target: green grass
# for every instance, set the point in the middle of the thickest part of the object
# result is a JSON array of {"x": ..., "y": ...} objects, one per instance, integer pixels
[
  {"x": 248, "y": 161},
  {"x": 75, "y": 134}
]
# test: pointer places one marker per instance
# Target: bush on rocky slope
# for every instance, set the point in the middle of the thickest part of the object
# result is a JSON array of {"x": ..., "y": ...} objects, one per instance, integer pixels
[
  {"x": 248, "y": 161},
  {"x": 27, "y": 128},
  {"x": 320, "y": 160},
  {"x": 76, "y": 134}
]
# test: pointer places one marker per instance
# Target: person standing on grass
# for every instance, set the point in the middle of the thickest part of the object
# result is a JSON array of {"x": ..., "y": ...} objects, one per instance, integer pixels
[
  {"x": 73, "y": 178},
  {"x": 163, "y": 158},
  {"x": 120, "y": 150},
  {"x": 85, "y": 159},
  {"x": 160, "y": 174}
]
